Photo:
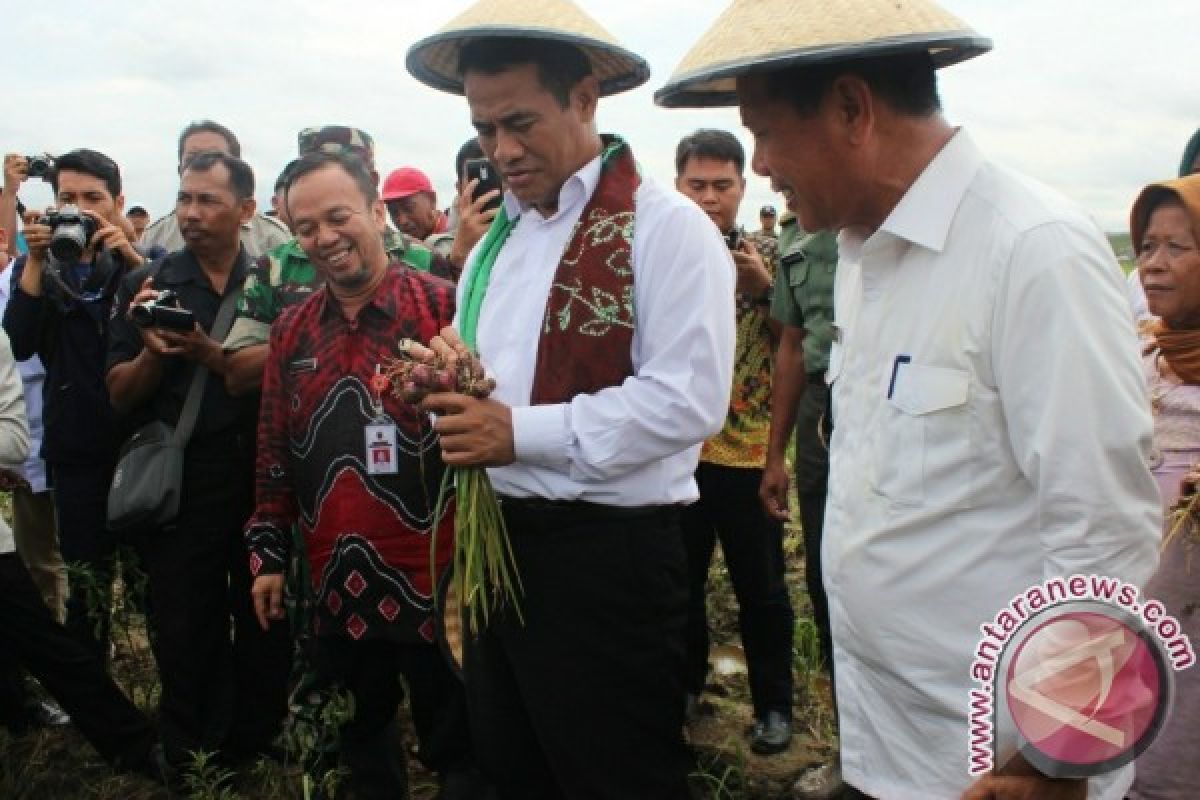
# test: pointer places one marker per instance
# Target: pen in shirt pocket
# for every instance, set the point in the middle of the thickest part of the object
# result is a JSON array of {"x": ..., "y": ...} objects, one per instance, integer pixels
[{"x": 900, "y": 361}]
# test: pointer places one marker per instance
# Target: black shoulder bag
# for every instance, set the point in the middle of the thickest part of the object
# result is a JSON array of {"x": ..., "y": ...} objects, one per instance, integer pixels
[{"x": 148, "y": 482}]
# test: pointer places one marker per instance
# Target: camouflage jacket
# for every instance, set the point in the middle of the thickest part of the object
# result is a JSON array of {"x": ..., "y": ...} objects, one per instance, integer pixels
[{"x": 285, "y": 277}]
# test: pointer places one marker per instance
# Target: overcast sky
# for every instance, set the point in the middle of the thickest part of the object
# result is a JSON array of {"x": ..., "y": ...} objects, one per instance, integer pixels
[{"x": 1094, "y": 97}]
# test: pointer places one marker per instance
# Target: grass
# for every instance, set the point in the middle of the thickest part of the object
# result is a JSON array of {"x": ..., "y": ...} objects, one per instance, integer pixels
[{"x": 58, "y": 763}]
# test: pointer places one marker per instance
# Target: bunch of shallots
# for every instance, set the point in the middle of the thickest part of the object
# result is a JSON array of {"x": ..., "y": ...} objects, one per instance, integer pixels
[{"x": 485, "y": 573}]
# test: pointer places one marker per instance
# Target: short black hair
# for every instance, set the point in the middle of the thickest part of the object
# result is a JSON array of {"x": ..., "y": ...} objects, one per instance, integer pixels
[
  {"x": 907, "y": 82},
  {"x": 241, "y": 176},
  {"x": 560, "y": 66},
  {"x": 208, "y": 126},
  {"x": 137, "y": 211},
  {"x": 351, "y": 165},
  {"x": 282, "y": 181},
  {"x": 468, "y": 151},
  {"x": 89, "y": 162},
  {"x": 709, "y": 143}
]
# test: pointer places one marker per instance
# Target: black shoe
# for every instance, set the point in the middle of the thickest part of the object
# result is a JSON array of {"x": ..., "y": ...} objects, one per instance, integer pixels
[{"x": 772, "y": 733}]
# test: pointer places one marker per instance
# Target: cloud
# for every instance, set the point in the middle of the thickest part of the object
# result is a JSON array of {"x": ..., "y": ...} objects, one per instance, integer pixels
[{"x": 1094, "y": 98}]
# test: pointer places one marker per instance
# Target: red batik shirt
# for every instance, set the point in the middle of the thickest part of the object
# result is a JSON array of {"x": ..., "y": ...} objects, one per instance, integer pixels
[{"x": 367, "y": 535}]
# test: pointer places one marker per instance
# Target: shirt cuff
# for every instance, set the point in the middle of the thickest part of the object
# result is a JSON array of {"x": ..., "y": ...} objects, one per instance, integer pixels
[{"x": 540, "y": 435}]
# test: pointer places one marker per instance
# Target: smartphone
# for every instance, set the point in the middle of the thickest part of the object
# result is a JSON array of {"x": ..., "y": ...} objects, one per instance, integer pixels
[{"x": 489, "y": 179}]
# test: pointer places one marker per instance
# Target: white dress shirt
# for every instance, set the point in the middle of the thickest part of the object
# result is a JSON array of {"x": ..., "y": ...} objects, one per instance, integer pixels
[
  {"x": 14, "y": 436},
  {"x": 638, "y": 443},
  {"x": 1011, "y": 449},
  {"x": 33, "y": 378}
]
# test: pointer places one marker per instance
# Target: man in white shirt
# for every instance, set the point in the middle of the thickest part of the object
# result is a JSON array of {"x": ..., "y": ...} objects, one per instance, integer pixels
[
  {"x": 990, "y": 416},
  {"x": 594, "y": 430}
]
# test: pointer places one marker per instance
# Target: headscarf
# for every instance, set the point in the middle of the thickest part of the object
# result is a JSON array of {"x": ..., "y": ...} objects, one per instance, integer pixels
[
  {"x": 1189, "y": 155},
  {"x": 1181, "y": 348}
]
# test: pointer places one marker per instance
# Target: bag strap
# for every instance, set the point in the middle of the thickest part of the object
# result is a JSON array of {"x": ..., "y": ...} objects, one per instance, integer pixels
[{"x": 195, "y": 393}]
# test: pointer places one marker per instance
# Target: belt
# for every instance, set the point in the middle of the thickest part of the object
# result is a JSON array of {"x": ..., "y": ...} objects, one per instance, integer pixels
[{"x": 536, "y": 508}]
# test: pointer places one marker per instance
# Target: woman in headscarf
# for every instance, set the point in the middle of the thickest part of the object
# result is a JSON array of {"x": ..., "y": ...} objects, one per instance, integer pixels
[{"x": 1165, "y": 227}]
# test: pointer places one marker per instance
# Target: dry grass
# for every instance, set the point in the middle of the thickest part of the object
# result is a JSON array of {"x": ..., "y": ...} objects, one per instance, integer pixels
[{"x": 57, "y": 763}]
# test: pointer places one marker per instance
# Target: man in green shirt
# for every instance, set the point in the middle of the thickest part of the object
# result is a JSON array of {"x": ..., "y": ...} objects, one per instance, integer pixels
[
  {"x": 803, "y": 304},
  {"x": 285, "y": 277}
]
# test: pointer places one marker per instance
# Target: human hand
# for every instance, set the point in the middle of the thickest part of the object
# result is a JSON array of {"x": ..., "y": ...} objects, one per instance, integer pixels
[
  {"x": 115, "y": 238},
  {"x": 16, "y": 172},
  {"x": 37, "y": 237},
  {"x": 1019, "y": 780},
  {"x": 194, "y": 345},
  {"x": 773, "y": 490},
  {"x": 474, "y": 432},
  {"x": 267, "y": 594},
  {"x": 753, "y": 277},
  {"x": 10, "y": 480},
  {"x": 474, "y": 219}
]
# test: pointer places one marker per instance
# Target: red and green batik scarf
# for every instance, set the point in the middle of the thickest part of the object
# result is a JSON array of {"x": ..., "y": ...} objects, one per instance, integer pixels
[{"x": 587, "y": 331}]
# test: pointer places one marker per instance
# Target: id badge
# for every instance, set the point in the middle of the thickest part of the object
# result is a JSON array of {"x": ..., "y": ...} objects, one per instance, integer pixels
[{"x": 381, "y": 449}]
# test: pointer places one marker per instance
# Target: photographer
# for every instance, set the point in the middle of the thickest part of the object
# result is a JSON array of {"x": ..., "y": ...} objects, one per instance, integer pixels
[
  {"x": 218, "y": 692},
  {"x": 59, "y": 310},
  {"x": 709, "y": 167}
]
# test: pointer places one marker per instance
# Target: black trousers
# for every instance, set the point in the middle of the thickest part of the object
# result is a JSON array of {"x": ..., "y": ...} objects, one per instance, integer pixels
[
  {"x": 31, "y": 638},
  {"x": 370, "y": 743},
  {"x": 81, "y": 503},
  {"x": 219, "y": 691},
  {"x": 813, "y": 426},
  {"x": 729, "y": 509},
  {"x": 586, "y": 698}
]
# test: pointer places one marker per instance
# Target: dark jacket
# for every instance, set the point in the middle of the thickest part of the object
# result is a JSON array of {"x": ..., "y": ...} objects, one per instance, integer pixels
[{"x": 67, "y": 327}]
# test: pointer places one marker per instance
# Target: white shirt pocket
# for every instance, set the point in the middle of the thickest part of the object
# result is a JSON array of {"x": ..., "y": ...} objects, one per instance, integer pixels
[{"x": 923, "y": 449}]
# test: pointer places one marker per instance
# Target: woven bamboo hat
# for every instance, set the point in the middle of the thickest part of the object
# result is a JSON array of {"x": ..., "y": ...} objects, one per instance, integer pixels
[
  {"x": 434, "y": 60},
  {"x": 768, "y": 35}
]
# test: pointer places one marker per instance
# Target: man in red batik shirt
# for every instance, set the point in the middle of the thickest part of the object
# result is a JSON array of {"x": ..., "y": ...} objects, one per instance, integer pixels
[{"x": 359, "y": 470}]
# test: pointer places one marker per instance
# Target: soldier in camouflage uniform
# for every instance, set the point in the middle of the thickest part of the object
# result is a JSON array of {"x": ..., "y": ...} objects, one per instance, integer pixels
[
  {"x": 803, "y": 304},
  {"x": 285, "y": 276}
]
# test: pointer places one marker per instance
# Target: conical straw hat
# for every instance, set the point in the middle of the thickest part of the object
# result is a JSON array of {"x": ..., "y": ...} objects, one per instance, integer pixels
[
  {"x": 768, "y": 35},
  {"x": 434, "y": 60}
]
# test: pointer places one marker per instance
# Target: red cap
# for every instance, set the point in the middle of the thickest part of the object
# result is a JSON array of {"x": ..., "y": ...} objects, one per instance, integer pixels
[{"x": 405, "y": 182}]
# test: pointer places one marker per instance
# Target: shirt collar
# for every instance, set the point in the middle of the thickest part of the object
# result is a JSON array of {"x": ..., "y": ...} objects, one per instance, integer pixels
[
  {"x": 574, "y": 192},
  {"x": 186, "y": 269},
  {"x": 924, "y": 215},
  {"x": 383, "y": 300}
]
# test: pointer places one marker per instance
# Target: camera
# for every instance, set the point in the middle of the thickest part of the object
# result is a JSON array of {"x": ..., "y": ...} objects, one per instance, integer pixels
[
  {"x": 163, "y": 312},
  {"x": 39, "y": 166},
  {"x": 72, "y": 231},
  {"x": 734, "y": 239}
]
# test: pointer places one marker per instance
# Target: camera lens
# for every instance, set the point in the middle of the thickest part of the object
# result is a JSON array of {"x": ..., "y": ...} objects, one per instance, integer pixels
[{"x": 68, "y": 242}]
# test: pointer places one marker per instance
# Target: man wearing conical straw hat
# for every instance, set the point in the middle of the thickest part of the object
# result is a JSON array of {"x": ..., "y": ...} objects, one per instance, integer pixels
[
  {"x": 989, "y": 416},
  {"x": 603, "y": 305}
]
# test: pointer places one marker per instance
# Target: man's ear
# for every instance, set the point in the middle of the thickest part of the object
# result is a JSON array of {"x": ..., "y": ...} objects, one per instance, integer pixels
[
  {"x": 119, "y": 203},
  {"x": 585, "y": 96},
  {"x": 246, "y": 212},
  {"x": 379, "y": 215},
  {"x": 853, "y": 107}
]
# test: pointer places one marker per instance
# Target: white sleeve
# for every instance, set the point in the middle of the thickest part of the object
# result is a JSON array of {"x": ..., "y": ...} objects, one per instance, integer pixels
[
  {"x": 683, "y": 363},
  {"x": 1066, "y": 362},
  {"x": 14, "y": 431}
]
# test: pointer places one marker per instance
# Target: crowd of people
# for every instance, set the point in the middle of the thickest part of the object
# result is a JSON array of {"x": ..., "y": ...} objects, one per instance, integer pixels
[{"x": 947, "y": 348}]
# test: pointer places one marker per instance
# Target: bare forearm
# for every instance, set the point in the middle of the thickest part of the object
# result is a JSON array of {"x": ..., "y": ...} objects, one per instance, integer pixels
[
  {"x": 131, "y": 382},
  {"x": 244, "y": 370},
  {"x": 8, "y": 217},
  {"x": 31, "y": 277},
  {"x": 788, "y": 383}
]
